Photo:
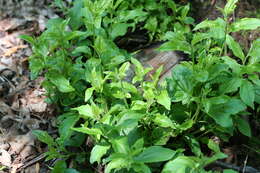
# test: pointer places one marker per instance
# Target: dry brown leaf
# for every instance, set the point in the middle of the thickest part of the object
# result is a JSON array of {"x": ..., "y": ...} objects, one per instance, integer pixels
[
  {"x": 5, "y": 158},
  {"x": 14, "y": 49}
]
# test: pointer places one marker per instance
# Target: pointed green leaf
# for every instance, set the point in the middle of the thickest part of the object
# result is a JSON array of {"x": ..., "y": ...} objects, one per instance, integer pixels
[
  {"x": 243, "y": 126},
  {"x": 116, "y": 164},
  {"x": 181, "y": 164},
  {"x": 97, "y": 152},
  {"x": 88, "y": 93},
  {"x": 172, "y": 45},
  {"x": 60, "y": 82},
  {"x": 204, "y": 24},
  {"x": 155, "y": 154},
  {"x": 164, "y": 99},
  {"x": 247, "y": 93},
  {"x": 85, "y": 110},
  {"x": 254, "y": 52},
  {"x": 120, "y": 145},
  {"x": 245, "y": 24},
  {"x": 119, "y": 29},
  {"x": 163, "y": 121},
  {"x": 235, "y": 47},
  {"x": 221, "y": 113},
  {"x": 230, "y": 7},
  {"x": 231, "y": 85},
  {"x": 43, "y": 137}
]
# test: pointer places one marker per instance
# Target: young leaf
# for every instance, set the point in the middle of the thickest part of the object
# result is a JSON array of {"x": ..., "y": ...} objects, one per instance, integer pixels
[
  {"x": 88, "y": 93},
  {"x": 243, "y": 126},
  {"x": 28, "y": 38},
  {"x": 121, "y": 145},
  {"x": 60, "y": 82},
  {"x": 164, "y": 99},
  {"x": 43, "y": 137},
  {"x": 155, "y": 154},
  {"x": 97, "y": 152},
  {"x": 230, "y": 7},
  {"x": 90, "y": 131},
  {"x": 116, "y": 164},
  {"x": 235, "y": 47},
  {"x": 163, "y": 121},
  {"x": 247, "y": 93},
  {"x": 180, "y": 165},
  {"x": 204, "y": 24},
  {"x": 254, "y": 52},
  {"x": 172, "y": 45},
  {"x": 123, "y": 69},
  {"x": 85, "y": 110},
  {"x": 245, "y": 24}
]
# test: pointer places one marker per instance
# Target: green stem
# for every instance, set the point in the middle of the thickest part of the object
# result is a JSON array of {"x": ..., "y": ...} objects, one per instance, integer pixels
[
  {"x": 224, "y": 47},
  {"x": 196, "y": 114}
]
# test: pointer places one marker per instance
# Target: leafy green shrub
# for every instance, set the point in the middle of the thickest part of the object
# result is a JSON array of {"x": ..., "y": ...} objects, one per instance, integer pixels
[{"x": 137, "y": 126}]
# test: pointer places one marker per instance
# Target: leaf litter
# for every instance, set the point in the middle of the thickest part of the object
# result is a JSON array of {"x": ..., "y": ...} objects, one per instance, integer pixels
[{"x": 22, "y": 105}]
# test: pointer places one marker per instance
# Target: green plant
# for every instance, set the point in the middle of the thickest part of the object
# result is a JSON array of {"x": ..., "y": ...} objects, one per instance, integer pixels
[
  {"x": 213, "y": 85},
  {"x": 131, "y": 126}
]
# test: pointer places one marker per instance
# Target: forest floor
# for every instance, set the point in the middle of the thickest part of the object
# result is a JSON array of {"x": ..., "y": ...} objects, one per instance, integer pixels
[{"x": 22, "y": 106}]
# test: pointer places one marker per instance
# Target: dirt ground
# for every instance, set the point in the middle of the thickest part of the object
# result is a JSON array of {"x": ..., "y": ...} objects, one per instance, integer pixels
[{"x": 22, "y": 106}]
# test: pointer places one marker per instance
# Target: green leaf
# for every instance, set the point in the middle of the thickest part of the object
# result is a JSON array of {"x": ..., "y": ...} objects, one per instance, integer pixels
[
  {"x": 118, "y": 29},
  {"x": 28, "y": 38},
  {"x": 155, "y": 154},
  {"x": 254, "y": 52},
  {"x": 88, "y": 93},
  {"x": 243, "y": 126},
  {"x": 245, "y": 24},
  {"x": 60, "y": 166},
  {"x": 71, "y": 170},
  {"x": 43, "y": 137},
  {"x": 247, "y": 93},
  {"x": 231, "y": 85},
  {"x": 202, "y": 76},
  {"x": 142, "y": 168},
  {"x": 60, "y": 82},
  {"x": 230, "y": 7},
  {"x": 36, "y": 66},
  {"x": 229, "y": 171},
  {"x": 66, "y": 122},
  {"x": 213, "y": 146},
  {"x": 85, "y": 110},
  {"x": 97, "y": 152},
  {"x": 126, "y": 15},
  {"x": 235, "y": 47},
  {"x": 81, "y": 49},
  {"x": 116, "y": 164},
  {"x": 151, "y": 24},
  {"x": 163, "y": 121},
  {"x": 123, "y": 69},
  {"x": 121, "y": 145},
  {"x": 204, "y": 24},
  {"x": 90, "y": 131},
  {"x": 221, "y": 113},
  {"x": 172, "y": 45},
  {"x": 197, "y": 37},
  {"x": 181, "y": 164},
  {"x": 164, "y": 99}
]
